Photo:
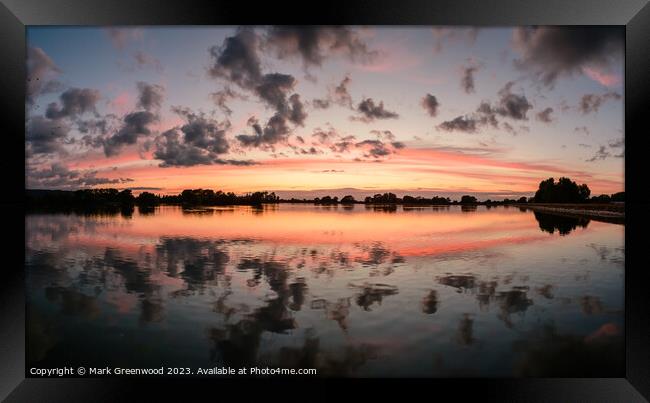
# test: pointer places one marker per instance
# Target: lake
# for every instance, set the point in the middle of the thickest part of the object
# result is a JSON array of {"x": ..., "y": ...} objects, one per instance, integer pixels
[{"x": 362, "y": 291}]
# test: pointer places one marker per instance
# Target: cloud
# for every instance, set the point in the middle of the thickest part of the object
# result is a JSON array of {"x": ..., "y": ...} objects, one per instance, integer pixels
[
  {"x": 61, "y": 177},
  {"x": 617, "y": 143},
  {"x": 601, "y": 154},
  {"x": 551, "y": 52},
  {"x": 430, "y": 104},
  {"x": 313, "y": 44},
  {"x": 341, "y": 94},
  {"x": 134, "y": 125},
  {"x": 465, "y": 124},
  {"x": 378, "y": 148},
  {"x": 275, "y": 131},
  {"x": 467, "y": 77},
  {"x": 94, "y": 126},
  {"x": 386, "y": 135},
  {"x": 237, "y": 61},
  {"x": 222, "y": 97},
  {"x": 41, "y": 74},
  {"x": 338, "y": 95},
  {"x": 510, "y": 105},
  {"x": 120, "y": 37},
  {"x": 73, "y": 102},
  {"x": 321, "y": 103},
  {"x": 370, "y": 111},
  {"x": 545, "y": 115},
  {"x": 45, "y": 136},
  {"x": 201, "y": 141},
  {"x": 325, "y": 136},
  {"x": 443, "y": 35},
  {"x": 150, "y": 96},
  {"x": 582, "y": 129},
  {"x": 606, "y": 79},
  {"x": 144, "y": 60},
  {"x": 297, "y": 112},
  {"x": 344, "y": 145},
  {"x": 591, "y": 102},
  {"x": 616, "y": 149}
]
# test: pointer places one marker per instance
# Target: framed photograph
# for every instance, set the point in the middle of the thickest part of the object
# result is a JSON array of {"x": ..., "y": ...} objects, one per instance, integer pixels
[{"x": 425, "y": 195}]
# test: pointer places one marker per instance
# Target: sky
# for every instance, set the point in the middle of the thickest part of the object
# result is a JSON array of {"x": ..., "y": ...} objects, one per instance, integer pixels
[{"x": 322, "y": 110}]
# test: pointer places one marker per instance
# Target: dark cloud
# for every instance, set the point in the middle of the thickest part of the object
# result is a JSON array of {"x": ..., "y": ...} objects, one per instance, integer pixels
[
  {"x": 378, "y": 148},
  {"x": 60, "y": 176},
  {"x": 134, "y": 126},
  {"x": 545, "y": 115},
  {"x": 41, "y": 74},
  {"x": 273, "y": 89},
  {"x": 94, "y": 126},
  {"x": 430, "y": 104},
  {"x": 341, "y": 94},
  {"x": 511, "y": 105},
  {"x": 591, "y": 102},
  {"x": 345, "y": 144},
  {"x": 237, "y": 60},
  {"x": 370, "y": 111},
  {"x": 201, "y": 141},
  {"x": 297, "y": 112},
  {"x": 465, "y": 124},
  {"x": 313, "y": 44},
  {"x": 150, "y": 96},
  {"x": 73, "y": 102},
  {"x": 467, "y": 77},
  {"x": 45, "y": 136},
  {"x": 275, "y": 131},
  {"x": 549, "y": 52}
]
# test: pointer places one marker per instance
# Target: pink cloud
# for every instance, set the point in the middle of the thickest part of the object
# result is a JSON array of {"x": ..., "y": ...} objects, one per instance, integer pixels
[
  {"x": 606, "y": 79},
  {"x": 122, "y": 103}
]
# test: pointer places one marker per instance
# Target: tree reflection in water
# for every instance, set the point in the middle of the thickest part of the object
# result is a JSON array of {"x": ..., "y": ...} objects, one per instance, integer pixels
[
  {"x": 345, "y": 308},
  {"x": 562, "y": 224}
]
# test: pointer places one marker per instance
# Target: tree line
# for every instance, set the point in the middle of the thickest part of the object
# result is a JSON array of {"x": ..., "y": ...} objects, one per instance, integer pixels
[{"x": 550, "y": 191}]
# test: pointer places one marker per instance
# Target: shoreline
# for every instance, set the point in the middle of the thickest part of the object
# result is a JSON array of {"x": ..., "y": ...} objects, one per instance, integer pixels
[{"x": 606, "y": 213}]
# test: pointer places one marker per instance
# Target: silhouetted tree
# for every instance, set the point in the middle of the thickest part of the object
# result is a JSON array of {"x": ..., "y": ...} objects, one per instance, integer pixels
[
  {"x": 563, "y": 191},
  {"x": 147, "y": 199},
  {"x": 601, "y": 199},
  {"x": 348, "y": 200},
  {"x": 618, "y": 197},
  {"x": 467, "y": 199}
]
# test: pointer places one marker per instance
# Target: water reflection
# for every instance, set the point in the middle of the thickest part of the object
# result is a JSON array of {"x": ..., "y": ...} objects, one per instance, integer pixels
[
  {"x": 563, "y": 224},
  {"x": 351, "y": 292}
]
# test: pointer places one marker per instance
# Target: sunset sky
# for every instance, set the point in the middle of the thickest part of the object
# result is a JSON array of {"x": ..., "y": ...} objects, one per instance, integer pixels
[{"x": 312, "y": 111}]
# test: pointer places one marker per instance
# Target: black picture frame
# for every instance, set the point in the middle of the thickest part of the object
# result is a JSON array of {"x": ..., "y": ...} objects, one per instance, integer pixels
[{"x": 15, "y": 15}]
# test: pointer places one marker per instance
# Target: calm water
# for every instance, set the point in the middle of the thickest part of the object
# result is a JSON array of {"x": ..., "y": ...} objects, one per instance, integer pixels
[{"x": 350, "y": 291}]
